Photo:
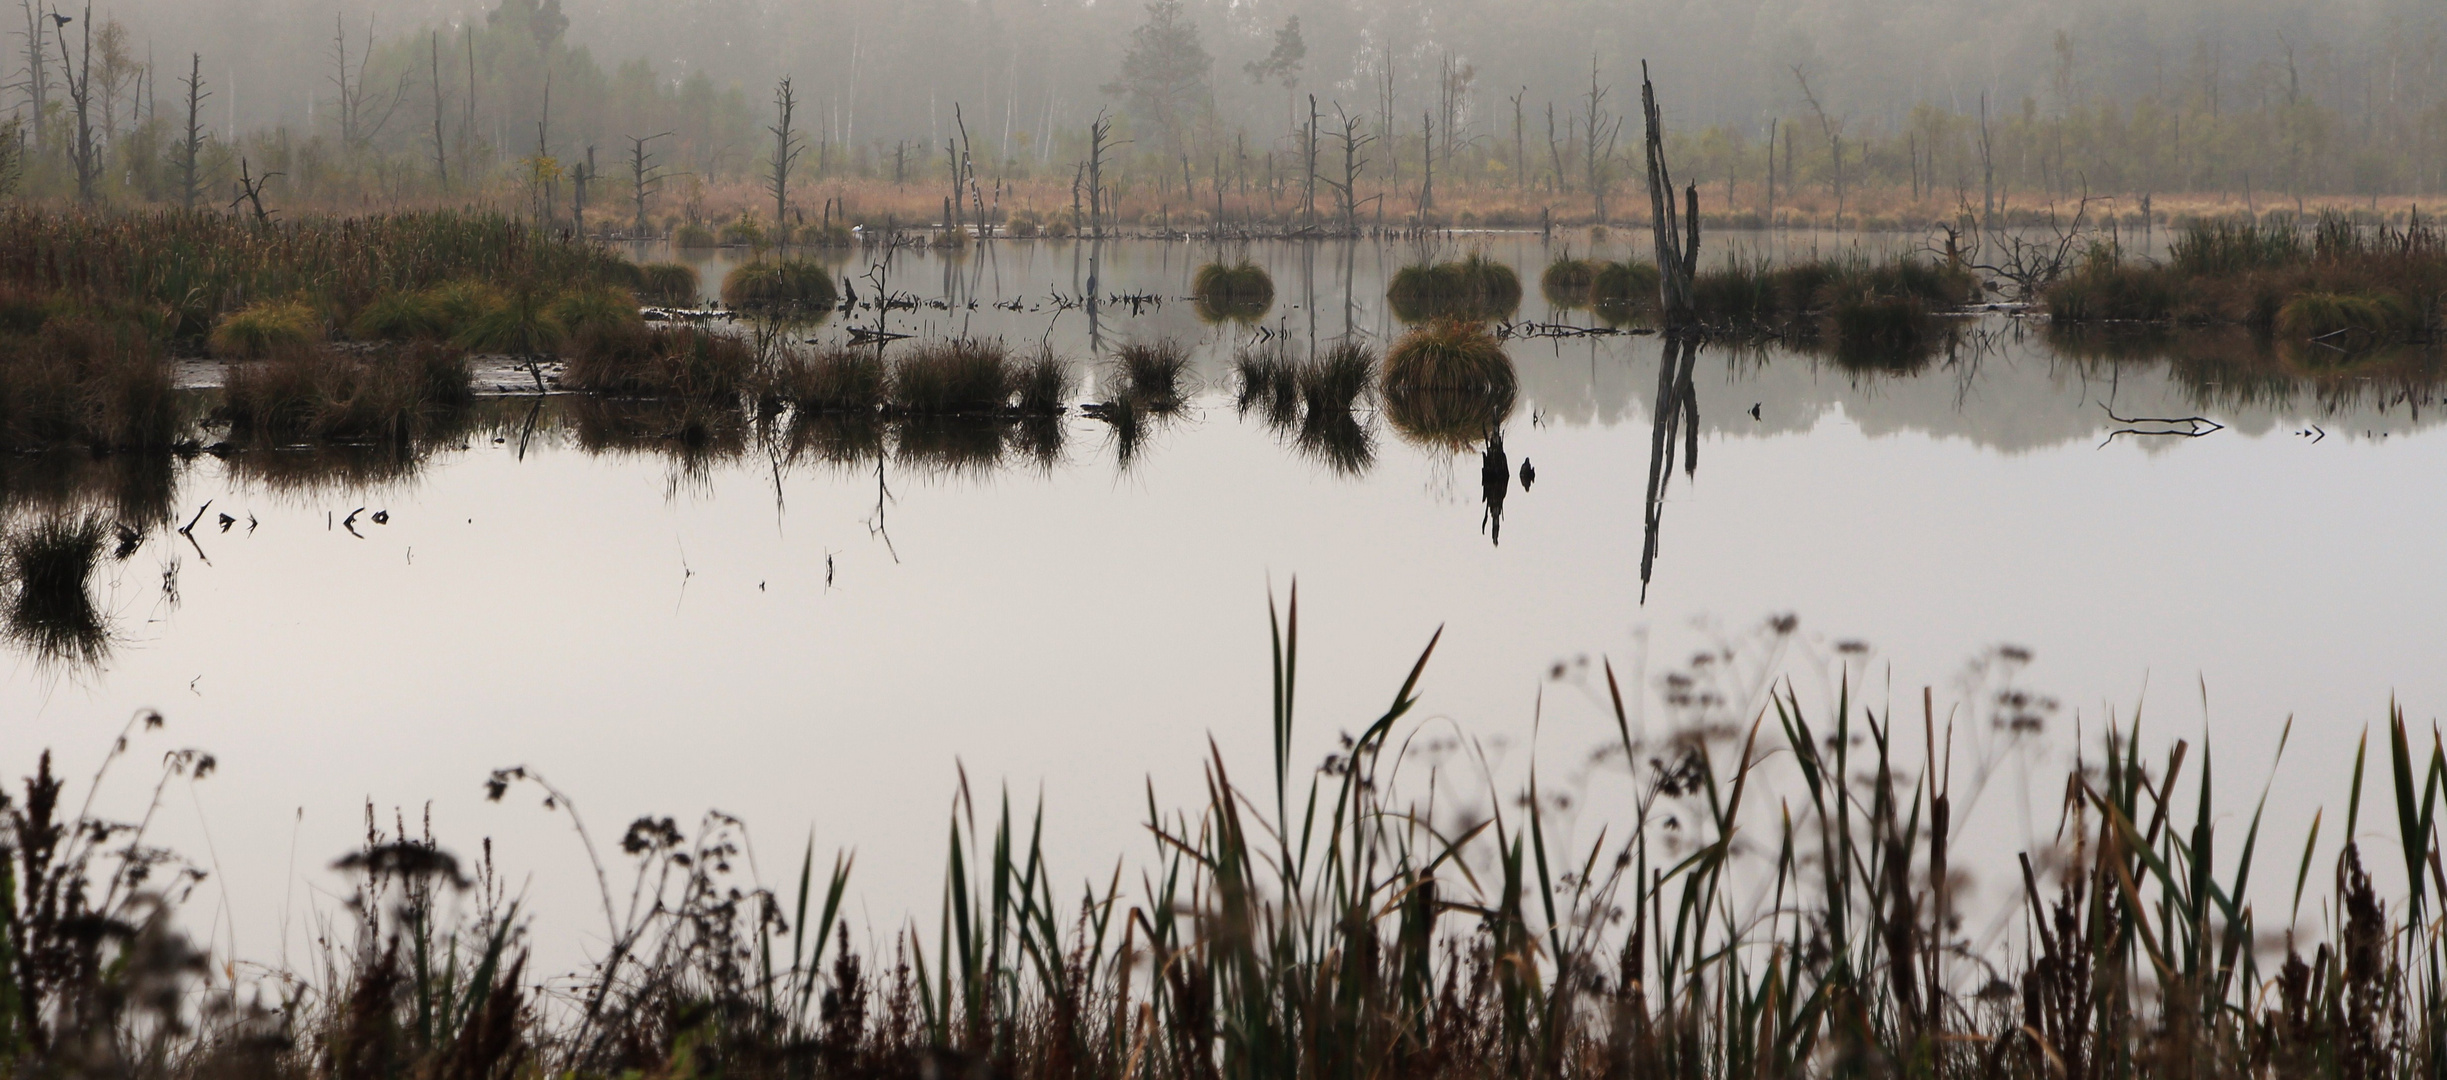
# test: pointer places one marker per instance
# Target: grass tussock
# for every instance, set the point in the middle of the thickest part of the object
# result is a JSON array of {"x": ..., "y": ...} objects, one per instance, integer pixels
[
  {"x": 76, "y": 383},
  {"x": 1448, "y": 383},
  {"x": 2364, "y": 319},
  {"x": 389, "y": 395},
  {"x": 781, "y": 286},
  {"x": 677, "y": 362},
  {"x": 1416, "y": 935},
  {"x": 958, "y": 376},
  {"x": 1566, "y": 282},
  {"x": 1153, "y": 375},
  {"x": 668, "y": 284},
  {"x": 524, "y": 323},
  {"x": 1241, "y": 291},
  {"x": 836, "y": 379},
  {"x": 260, "y": 330},
  {"x": 1797, "y": 297},
  {"x": 1474, "y": 288}
]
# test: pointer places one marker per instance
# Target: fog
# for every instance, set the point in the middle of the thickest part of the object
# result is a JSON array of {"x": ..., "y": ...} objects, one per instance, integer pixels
[{"x": 880, "y": 72}]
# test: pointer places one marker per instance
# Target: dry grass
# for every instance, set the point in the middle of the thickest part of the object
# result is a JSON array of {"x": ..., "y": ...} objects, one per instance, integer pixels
[
  {"x": 390, "y": 395},
  {"x": 678, "y": 362},
  {"x": 1476, "y": 288},
  {"x": 1448, "y": 384}
]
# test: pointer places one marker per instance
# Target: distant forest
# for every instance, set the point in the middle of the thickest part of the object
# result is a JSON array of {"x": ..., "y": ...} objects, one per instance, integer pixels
[{"x": 1955, "y": 103}]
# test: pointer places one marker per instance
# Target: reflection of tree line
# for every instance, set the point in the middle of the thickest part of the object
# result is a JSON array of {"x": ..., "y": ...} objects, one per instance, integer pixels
[{"x": 1999, "y": 386}]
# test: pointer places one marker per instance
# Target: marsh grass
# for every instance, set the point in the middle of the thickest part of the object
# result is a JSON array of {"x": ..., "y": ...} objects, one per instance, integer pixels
[
  {"x": 2365, "y": 318},
  {"x": 2350, "y": 285},
  {"x": 835, "y": 379},
  {"x": 1153, "y": 375},
  {"x": 599, "y": 308},
  {"x": 634, "y": 359},
  {"x": 801, "y": 287},
  {"x": 1566, "y": 281},
  {"x": 1266, "y": 379},
  {"x": 1474, "y": 288},
  {"x": 668, "y": 284},
  {"x": 1784, "y": 893},
  {"x": 954, "y": 376},
  {"x": 1241, "y": 291},
  {"x": 522, "y": 323},
  {"x": 92, "y": 386},
  {"x": 197, "y": 268},
  {"x": 393, "y": 394},
  {"x": 1621, "y": 291},
  {"x": 1448, "y": 384},
  {"x": 260, "y": 330}
]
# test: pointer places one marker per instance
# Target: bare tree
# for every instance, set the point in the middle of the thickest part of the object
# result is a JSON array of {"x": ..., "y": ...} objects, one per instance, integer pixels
[
  {"x": 441, "y": 159},
  {"x": 1346, "y": 191},
  {"x": 191, "y": 184},
  {"x": 38, "y": 25},
  {"x": 83, "y": 154},
  {"x": 358, "y": 125},
  {"x": 1834, "y": 131},
  {"x": 645, "y": 177},
  {"x": 786, "y": 150}
]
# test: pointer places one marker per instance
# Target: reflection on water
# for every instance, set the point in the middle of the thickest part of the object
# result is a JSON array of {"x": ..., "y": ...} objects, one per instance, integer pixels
[
  {"x": 1676, "y": 413},
  {"x": 635, "y": 592}
]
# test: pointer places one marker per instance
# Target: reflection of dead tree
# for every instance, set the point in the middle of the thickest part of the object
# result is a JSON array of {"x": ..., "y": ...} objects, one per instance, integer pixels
[
  {"x": 1676, "y": 414},
  {"x": 875, "y": 523},
  {"x": 2185, "y": 427}
]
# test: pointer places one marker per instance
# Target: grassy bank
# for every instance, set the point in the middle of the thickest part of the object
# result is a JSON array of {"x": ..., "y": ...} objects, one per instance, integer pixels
[
  {"x": 2351, "y": 286},
  {"x": 1782, "y": 896}
]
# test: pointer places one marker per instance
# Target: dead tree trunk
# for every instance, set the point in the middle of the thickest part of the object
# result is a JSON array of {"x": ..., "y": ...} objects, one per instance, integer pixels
[
  {"x": 785, "y": 151},
  {"x": 644, "y": 181},
  {"x": 1677, "y": 241},
  {"x": 189, "y": 148},
  {"x": 80, "y": 94},
  {"x": 441, "y": 159}
]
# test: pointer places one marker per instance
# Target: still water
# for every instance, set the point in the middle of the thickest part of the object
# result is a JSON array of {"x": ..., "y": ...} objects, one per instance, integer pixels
[{"x": 826, "y": 647}]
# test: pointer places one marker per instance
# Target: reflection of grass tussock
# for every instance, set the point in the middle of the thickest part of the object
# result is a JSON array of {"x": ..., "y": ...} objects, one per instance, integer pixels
[
  {"x": 313, "y": 395},
  {"x": 668, "y": 284},
  {"x": 1267, "y": 378},
  {"x": 1476, "y": 288},
  {"x": 636, "y": 360},
  {"x": 790, "y": 286},
  {"x": 137, "y": 489},
  {"x": 1241, "y": 291},
  {"x": 87, "y": 385},
  {"x": 46, "y": 564},
  {"x": 1448, "y": 383},
  {"x": 2233, "y": 368}
]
